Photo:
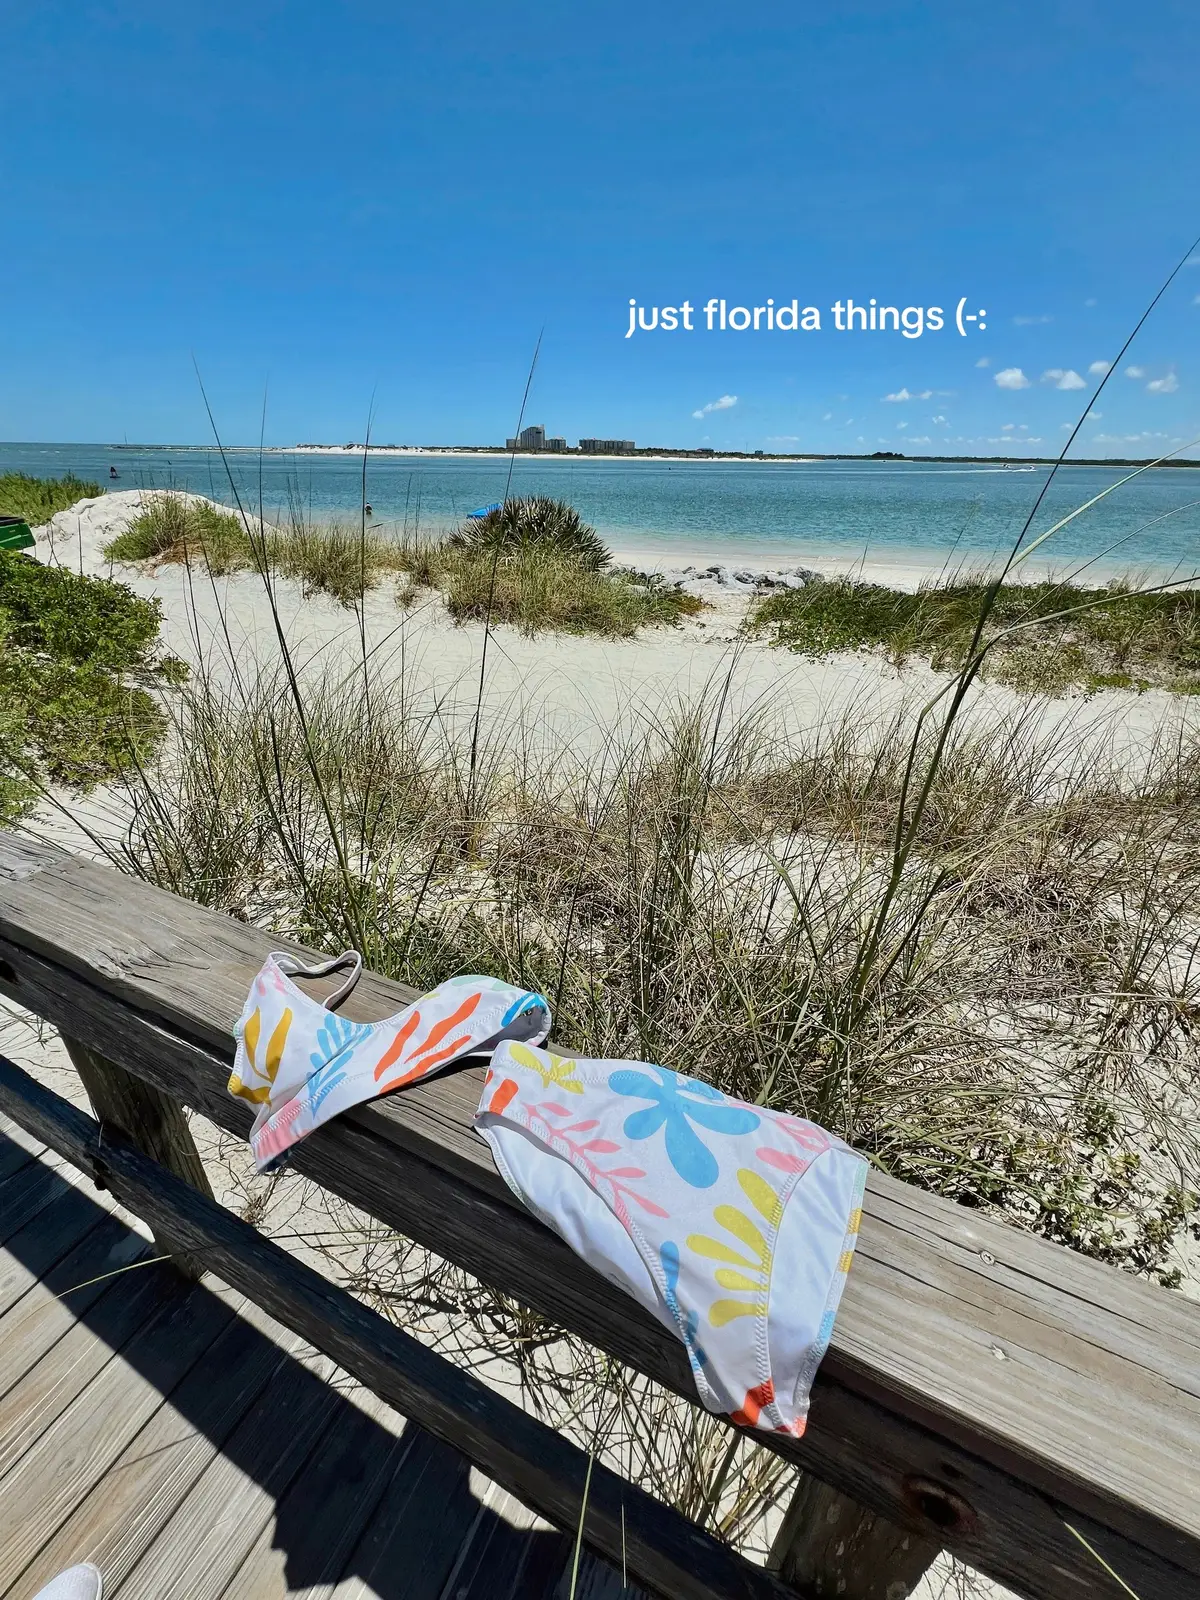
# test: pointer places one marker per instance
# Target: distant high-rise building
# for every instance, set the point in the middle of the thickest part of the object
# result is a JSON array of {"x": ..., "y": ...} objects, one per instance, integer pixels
[
  {"x": 532, "y": 438},
  {"x": 606, "y": 447}
]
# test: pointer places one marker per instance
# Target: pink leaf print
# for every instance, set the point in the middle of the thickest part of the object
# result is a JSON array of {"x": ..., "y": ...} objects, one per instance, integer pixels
[
  {"x": 604, "y": 1146},
  {"x": 782, "y": 1160},
  {"x": 554, "y": 1108},
  {"x": 651, "y": 1206},
  {"x": 625, "y": 1172},
  {"x": 805, "y": 1133},
  {"x": 582, "y": 1127}
]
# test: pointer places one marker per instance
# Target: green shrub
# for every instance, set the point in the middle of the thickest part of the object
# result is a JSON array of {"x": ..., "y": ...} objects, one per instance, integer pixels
[
  {"x": 537, "y": 523},
  {"x": 37, "y": 499},
  {"x": 1113, "y": 637},
  {"x": 55, "y": 612},
  {"x": 77, "y": 662}
]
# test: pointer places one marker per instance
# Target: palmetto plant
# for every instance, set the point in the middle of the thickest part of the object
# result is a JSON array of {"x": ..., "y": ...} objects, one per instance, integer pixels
[{"x": 537, "y": 522}]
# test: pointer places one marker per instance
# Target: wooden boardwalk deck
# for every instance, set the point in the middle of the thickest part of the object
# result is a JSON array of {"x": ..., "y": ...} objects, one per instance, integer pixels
[{"x": 193, "y": 1448}]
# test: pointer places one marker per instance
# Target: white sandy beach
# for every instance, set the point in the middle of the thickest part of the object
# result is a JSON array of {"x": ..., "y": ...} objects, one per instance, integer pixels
[{"x": 563, "y": 688}]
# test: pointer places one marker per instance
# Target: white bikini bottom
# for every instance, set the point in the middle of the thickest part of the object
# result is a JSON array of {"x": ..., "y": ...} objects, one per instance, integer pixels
[{"x": 734, "y": 1225}]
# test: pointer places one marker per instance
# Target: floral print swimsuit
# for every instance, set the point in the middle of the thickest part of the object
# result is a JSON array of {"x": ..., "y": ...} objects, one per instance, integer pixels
[{"x": 734, "y": 1225}]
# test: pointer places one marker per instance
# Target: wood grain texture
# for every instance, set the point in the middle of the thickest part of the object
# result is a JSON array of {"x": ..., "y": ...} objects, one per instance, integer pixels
[
  {"x": 982, "y": 1388},
  {"x": 66, "y": 1461},
  {"x": 548, "y": 1473},
  {"x": 148, "y": 1118}
]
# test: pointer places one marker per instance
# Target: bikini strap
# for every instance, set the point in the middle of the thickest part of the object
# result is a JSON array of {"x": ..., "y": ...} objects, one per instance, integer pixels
[{"x": 351, "y": 958}]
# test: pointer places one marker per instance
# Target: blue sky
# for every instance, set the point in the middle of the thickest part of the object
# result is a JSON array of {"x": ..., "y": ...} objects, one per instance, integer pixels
[{"x": 334, "y": 203}]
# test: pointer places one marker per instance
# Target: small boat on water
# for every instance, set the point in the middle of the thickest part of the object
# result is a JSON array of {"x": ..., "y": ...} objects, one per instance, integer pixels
[{"x": 483, "y": 511}]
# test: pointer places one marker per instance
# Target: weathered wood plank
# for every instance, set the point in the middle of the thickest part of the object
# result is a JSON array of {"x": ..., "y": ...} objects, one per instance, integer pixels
[
  {"x": 61, "y": 1356},
  {"x": 147, "y": 1118},
  {"x": 118, "y": 1520},
  {"x": 510, "y": 1554},
  {"x": 199, "y": 1551},
  {"x": 319, "y": 1519},
  {"x": 40, "y": 1491},
  {"x": 520, "y": 1453},
  {"x": 420, "y": 1526},
  {"x": 1090, "y": 1405},
  {"x": 57, "y": 1231},
  {"x": 827, "y": 1545}
]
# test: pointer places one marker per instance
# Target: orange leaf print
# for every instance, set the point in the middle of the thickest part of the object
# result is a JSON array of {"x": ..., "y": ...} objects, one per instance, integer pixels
[
  {"x": 397, "y": 1045},
  {"x": 424, "y": 1063},
  {"x": 504, "y": 1096},
  {"x": 438, "y": 1033},
  {"x": 752, "y": 1405}
]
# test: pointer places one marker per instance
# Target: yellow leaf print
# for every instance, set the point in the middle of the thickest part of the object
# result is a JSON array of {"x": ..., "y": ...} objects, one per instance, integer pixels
[
  {"x": 739, "y": 1224},
  {"x": 276, "y": 1043},
  {"x": 743, "y": 1273},
  {"x": 723, "y": 1311},
  {"x": 761, "y": 1196},
  {"x": 559, "y": 1074},
  {"x": 250, "y": 1036}
]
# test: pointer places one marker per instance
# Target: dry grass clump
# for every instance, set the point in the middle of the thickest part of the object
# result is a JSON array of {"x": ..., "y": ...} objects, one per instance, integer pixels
[
  {"x": 1002, "y": 1017},
  {"x": 338, "y": 560},
  {"x": 534, "y": 589}
]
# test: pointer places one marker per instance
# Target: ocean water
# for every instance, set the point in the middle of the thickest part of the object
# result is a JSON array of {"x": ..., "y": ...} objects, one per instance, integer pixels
[{"x": 921, "y": 514}]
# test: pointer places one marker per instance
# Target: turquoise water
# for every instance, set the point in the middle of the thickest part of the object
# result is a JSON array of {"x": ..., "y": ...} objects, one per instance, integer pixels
[{"x": 767, "y": 511}]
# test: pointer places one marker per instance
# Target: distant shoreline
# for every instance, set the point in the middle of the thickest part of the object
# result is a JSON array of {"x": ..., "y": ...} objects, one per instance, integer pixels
[{"x": 879, "y": 458}]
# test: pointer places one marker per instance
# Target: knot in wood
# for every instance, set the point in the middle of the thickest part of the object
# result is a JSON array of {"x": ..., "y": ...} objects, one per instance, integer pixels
[{"x": 937, "y": 1506}]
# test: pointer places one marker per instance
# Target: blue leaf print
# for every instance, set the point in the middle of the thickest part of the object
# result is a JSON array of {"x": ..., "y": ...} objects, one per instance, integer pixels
[
  {"x": 335, "y": 1043},
  {"x": 668, "y": 1254},
  {"x": 677, "y": 1102}
]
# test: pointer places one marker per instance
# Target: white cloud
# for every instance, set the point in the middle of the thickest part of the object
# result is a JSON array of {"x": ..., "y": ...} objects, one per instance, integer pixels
[
  {"x": 861, "y": 440},
  {"x": 920, "y": 439},
  {"x": 828, "y": 417},
  {"x": 1094, "y": 416},
  {"x": 937, "y": 419},
  {"x": 1011, "y": 378},
  {"x": 1030, "y": 322},
  {"x": 1099, "y": 368},
  {"x": 903, "y": 394},
  {"x": 1063, "y": 378},
  {"x": 902, "y": 424},
  {"x": 1091, "y": 301},
  {"x": 723, "y": 404},
  {"x": 984, "y": 361},
  {"x": 1135, "y": 372},
  {"x": 1167, "y": 385},
  {"x": 782, "y": 438},
  {"x": 1196, "y": 301}
]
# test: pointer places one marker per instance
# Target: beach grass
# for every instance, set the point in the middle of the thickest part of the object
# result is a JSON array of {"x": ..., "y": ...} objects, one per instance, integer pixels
[
  {"x": 36, "y": 500},
  {"x": 335, "y": 559},
  {"x": 1046, "y": 636},
  {"x": 539, "y": 569}
]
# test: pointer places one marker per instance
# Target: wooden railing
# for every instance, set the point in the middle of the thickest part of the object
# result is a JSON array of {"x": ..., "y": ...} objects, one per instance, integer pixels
[{"x": 1030, "y": 1410}]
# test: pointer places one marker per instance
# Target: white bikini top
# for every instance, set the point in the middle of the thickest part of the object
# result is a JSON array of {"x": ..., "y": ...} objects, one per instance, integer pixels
[
  {"x": 299, "y": 1064},
  {"x": 734, "y": 1225}
]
